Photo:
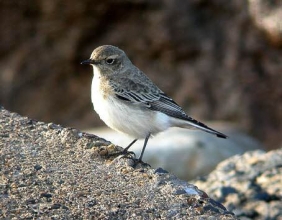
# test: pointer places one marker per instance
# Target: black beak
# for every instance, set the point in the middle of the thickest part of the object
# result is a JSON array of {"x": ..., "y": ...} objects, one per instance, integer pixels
[{"x": 89, "y": 61}]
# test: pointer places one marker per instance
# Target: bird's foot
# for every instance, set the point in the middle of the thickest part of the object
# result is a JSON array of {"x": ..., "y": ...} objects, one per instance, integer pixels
[
  {"x": 131, "y": 156},
  {"x": 137, "y": 162},
  {"x": 128, "y": 154}
]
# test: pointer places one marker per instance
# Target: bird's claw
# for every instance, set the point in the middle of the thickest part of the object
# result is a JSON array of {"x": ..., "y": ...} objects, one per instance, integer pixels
[
  {"x": 131, "y": 155},
  {"x": 142, "y": 163},
  {"x": 128, "y": 154}
]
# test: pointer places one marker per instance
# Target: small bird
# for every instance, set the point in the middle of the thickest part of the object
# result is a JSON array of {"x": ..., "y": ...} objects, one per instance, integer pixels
[{"x": 129, "y": 102}]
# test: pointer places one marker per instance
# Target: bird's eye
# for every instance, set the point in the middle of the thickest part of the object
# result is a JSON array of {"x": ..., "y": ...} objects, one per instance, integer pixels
[{"x": 110, "y": 61}]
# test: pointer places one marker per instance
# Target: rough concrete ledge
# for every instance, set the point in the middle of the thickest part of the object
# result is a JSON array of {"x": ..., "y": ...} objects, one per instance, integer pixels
[{"x": 51, "y": 172}]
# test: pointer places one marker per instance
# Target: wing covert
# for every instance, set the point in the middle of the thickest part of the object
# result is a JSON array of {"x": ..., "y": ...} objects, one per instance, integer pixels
[{"x": 136, "y": 93}]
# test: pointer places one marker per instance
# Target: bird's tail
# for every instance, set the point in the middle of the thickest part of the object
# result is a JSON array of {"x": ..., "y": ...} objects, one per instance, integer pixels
[{"x": 190, "y": 122}]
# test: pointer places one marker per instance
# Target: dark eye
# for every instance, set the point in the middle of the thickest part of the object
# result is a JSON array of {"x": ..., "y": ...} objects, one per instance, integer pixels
[{"x": 110, "y": 61}]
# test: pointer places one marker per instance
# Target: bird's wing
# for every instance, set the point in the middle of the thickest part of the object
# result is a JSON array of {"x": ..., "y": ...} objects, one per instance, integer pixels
[
  {"x": 153, "y": 98},
  {"x": 167, "y": 106},
  {"x": 136, "y": 92},
  {"x": 150, "y": 97}
]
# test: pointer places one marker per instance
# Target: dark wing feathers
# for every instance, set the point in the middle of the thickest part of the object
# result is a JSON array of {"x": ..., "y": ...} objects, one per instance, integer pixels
[
  {"x": 156, "y": 100},
  {"x": 137, "y": 93},
  {"x": 166, "y": 105}
]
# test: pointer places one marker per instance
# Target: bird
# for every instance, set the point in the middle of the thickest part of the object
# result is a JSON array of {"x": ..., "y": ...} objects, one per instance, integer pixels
[{"x": 130, "y": 103}]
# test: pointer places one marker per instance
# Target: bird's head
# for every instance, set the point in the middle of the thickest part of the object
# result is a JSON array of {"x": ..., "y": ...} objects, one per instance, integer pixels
[{"x": 108, "y": 59}]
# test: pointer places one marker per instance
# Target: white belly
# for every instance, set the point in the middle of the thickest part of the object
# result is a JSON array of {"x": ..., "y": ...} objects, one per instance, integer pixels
[{"x": 126, "y": 118}]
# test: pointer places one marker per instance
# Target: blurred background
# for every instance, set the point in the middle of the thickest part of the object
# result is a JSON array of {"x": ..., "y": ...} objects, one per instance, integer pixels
[{"x": 220, "y": 60}]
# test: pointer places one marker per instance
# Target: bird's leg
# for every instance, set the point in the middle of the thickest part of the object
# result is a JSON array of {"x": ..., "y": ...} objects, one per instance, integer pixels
[
  {"x": 126, "y": 149},
  {"x": 144, "y": 146},
  {"x": 126, "y": 152}
]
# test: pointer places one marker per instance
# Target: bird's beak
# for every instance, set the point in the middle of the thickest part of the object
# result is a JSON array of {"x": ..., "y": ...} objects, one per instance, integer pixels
[{"x": 89, "y": 61}]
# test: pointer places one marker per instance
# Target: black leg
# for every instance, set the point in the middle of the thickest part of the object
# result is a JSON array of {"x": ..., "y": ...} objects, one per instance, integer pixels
[
  {"x": 144, "y": 146},
  {"x": 126, "y": 149}
]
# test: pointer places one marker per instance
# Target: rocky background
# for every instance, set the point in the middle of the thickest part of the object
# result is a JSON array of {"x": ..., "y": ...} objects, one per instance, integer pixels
[
  {"x": 249, "y": 185},
  {"x": 220, "y": 60}
]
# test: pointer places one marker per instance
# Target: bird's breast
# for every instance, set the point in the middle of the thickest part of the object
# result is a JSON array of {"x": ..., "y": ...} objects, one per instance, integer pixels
[{"x": 128, "y": 118}]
